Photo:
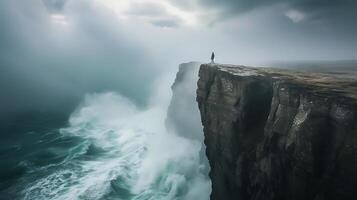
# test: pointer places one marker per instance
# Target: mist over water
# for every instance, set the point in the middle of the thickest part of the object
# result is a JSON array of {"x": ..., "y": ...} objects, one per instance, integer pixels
[{"x": 121, "y": 152}]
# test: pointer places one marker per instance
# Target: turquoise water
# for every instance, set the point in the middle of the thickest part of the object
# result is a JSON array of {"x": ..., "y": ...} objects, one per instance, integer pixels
[{"x": 107, "y": 149}]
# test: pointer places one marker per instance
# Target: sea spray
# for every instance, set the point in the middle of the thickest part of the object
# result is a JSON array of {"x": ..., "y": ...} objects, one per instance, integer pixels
[{"x": 124, "y": 153}]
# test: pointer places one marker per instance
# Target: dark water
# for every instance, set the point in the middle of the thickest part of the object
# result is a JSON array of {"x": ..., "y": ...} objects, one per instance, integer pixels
[
  {"x": 106, "y": 149},
  {"x": 28, "y": 143}
]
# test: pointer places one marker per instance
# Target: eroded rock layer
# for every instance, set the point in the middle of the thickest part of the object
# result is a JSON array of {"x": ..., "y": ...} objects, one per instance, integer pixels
[{"x": 278, "y": 134}]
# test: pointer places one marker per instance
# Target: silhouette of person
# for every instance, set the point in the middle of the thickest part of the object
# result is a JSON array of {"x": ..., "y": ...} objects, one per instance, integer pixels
[{"x": 212, "y": 57}]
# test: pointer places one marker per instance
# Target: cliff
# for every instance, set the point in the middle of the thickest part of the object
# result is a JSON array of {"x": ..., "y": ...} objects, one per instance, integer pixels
[
  {"x": 183, "y": 117},
  {"x": 277, "y": 135}
]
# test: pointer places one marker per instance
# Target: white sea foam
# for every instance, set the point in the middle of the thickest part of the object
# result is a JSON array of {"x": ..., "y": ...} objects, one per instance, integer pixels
[{"x": 139, "y": 159}]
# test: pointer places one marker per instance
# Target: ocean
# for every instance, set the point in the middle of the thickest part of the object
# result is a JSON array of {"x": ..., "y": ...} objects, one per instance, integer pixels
[{"x": 107, "y": 148}]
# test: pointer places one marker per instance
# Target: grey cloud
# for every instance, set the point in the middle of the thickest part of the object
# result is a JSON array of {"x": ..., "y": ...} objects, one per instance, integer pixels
[
  {"x": 146, "y": 9},
  {"x": 325, "y": 17},
  {"x": 154, "y": 14},
  {"x": 55, "y": 5},
  {"x": 329, "y": 11},
  {"x": 168, "y": 23},
  {"x": 241, "y": 6},
  {"x": 45, "y": 67}
]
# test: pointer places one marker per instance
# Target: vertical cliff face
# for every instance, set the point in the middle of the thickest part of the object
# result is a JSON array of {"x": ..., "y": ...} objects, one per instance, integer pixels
[
  {"x": 274, "y": 134},
  {"x": 183, "y": 117}
]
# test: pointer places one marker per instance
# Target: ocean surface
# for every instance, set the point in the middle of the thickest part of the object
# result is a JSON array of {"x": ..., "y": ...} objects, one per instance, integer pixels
[{"x": 107, "y": 149}]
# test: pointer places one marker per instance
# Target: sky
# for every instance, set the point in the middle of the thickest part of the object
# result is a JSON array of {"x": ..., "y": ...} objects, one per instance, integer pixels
[{"x": 53, "y": 52}]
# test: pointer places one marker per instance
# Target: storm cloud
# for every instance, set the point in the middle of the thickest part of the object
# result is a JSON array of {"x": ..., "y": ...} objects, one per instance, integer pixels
[
  {"x": 316, "y": 8},
  {"x": 326, "y": 14},
  {"x": 53, "y": 52}
]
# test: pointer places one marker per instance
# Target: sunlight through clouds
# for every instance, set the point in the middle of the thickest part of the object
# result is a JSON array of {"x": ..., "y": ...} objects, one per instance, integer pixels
[
  {"x": 295, "y": 16},
  {"x": 160, "y": 13},
  {"x": 59, "y": 19}
]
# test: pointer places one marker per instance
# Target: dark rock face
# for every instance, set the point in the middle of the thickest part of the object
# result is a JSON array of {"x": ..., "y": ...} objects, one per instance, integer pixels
[{"x": 278, "y": 135}]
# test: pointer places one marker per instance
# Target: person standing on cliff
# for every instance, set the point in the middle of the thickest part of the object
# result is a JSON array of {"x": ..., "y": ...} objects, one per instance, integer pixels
[{"x": 212, "y": 57}]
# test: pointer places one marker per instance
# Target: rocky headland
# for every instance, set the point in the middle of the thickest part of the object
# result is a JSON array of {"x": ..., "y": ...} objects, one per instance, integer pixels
[{"x": 274, "y": 134}]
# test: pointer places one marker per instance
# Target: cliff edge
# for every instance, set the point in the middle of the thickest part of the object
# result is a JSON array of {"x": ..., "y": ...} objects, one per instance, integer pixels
[{"x": 275, "y": 134}]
